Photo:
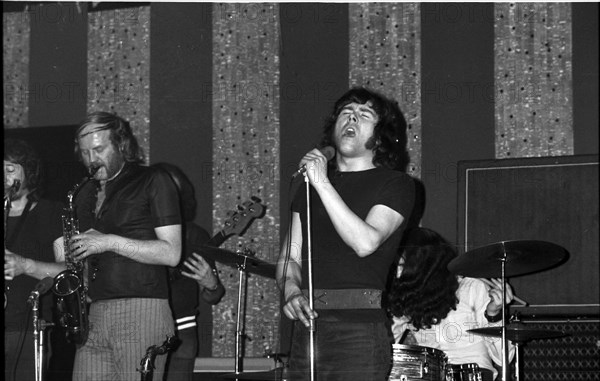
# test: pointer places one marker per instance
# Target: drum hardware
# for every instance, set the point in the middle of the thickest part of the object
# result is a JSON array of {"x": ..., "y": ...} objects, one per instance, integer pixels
[
  {"x": 251, "y": 264},
  {"x": 237, "y": 223},
  {"x": 245, "y": 263},
  {"x": 519, "y": 334},
  {"x": 463, "y": 372},
  {"x": 508, "y": 259}
]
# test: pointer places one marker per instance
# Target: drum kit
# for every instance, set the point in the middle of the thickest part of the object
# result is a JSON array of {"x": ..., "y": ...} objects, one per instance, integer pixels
[
  {"x": 412, "y": 362},
  {"x": 499, "y": 260}
]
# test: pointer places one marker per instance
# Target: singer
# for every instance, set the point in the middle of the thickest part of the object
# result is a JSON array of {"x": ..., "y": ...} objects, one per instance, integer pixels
[
  {"x": 360, "y": 202},
  {"x": 32, "y": 251}
]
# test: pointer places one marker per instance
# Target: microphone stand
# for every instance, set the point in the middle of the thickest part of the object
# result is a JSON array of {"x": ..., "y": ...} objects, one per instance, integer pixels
[
  {"x": 310, "y": 281},
  {"x": 505, "y": 363},
  {"x": 39, "y": 325}
]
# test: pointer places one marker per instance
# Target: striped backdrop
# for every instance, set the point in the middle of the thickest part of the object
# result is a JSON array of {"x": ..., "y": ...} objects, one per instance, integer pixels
[{"x": 532, "y": 95}]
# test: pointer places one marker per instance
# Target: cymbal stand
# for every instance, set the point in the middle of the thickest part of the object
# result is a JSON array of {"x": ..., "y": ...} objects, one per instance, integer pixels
[
  {"x": 504, "y": 343},
  {"x": 239, "y": 327},
  {"x": 310, "y": 281},
  {"x": 517, "y": 344}
]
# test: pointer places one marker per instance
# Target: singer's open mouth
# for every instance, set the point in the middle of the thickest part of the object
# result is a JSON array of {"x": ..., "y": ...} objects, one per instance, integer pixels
[{"x": 349, "y": 132}]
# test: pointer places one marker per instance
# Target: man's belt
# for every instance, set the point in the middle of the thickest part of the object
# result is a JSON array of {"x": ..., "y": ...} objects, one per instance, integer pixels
[{"x": 346, "y": 299}]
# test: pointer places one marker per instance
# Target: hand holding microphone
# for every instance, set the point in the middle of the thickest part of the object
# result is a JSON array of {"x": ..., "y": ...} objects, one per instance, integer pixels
[{"x": 314, "y": 157}]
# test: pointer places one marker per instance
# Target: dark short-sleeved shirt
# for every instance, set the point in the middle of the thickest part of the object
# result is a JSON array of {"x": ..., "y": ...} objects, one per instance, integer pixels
[
  {"x": 137, "y": 201},
  {"x": 335, "y": 264}
]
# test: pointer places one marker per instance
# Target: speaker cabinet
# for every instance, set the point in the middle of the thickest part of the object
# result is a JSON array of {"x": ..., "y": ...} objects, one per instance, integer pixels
[
  {"x": 552, "y": 199},
  {"x": 574, "y": 357}
]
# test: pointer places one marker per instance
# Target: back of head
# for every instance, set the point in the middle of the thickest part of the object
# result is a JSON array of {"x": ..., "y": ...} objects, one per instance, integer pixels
[
  {"x": 185, "y": 188},
  {"x": 426, "y": 289},
  {"x": 21, "y": 152},
  {"x": 121, "y": 135},
  {"x": 389, "y": 136}
]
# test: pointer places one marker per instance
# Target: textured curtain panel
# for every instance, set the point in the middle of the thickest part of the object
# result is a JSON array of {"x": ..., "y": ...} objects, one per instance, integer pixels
[
  {"x": 15, "y": 55},
  {"x": 119, "y": 67},
  {"x": 246, "y": 162},
  {"x": 534, "y": 102},
  {"x": 385, "y": 55}
]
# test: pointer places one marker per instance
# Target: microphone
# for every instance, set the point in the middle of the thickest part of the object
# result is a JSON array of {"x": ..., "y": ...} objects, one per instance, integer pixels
[
  {"x": 329, "y": 153},
  {"x": 41, "y": 288}
]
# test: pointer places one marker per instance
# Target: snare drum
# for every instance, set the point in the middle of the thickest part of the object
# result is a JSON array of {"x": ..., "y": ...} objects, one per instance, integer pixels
[
  {"x": 413, "y": 362},
  {"x": 463, "y": 372}
]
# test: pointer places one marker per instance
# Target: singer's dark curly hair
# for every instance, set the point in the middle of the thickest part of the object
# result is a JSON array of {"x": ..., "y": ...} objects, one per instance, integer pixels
[
  {"x": 389, "y": 136},
  {"x": 21, "y": 152},
  {"x": 121, "y": 135},
  {"x": 425, "y": 292}
]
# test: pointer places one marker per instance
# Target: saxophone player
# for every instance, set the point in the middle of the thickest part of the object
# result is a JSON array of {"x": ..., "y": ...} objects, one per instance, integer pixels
[
  {"x": 32, "y": 251},
  {"x": 131, "y": 233}
]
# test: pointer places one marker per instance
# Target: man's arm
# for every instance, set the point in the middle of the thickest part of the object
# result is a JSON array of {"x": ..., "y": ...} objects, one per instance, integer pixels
[
  {"x": 15, "y": 264},
  {"x": 289, "y": 275},
  {"x": 363, "y": 236},
  {"x": 165, "y": 250}
]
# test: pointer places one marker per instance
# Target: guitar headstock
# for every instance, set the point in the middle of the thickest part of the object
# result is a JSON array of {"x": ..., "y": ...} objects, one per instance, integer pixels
[{"x": 237, "y": 222}]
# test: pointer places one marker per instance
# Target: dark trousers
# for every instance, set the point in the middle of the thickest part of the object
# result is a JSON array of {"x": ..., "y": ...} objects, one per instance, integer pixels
[{"x": 343, "y": 351}]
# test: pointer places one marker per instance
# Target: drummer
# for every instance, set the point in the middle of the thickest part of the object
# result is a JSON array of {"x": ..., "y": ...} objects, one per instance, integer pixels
[{"x": 434, "y": 308}]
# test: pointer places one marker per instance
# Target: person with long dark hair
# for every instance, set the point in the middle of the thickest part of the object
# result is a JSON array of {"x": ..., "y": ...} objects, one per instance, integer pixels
[
  {"x": 32, "y": 251},
  {"x": 361, "y": 201},
  {"x": 433, "y": 307}
]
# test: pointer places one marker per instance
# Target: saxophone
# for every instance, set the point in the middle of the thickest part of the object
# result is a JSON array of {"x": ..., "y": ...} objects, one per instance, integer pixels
[
  {"x": 147, "y": 363},
  {"x": 69, "y": 286}
]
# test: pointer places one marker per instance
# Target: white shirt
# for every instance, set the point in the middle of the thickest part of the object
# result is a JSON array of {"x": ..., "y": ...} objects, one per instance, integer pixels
[{"x": 450, "y": 335}]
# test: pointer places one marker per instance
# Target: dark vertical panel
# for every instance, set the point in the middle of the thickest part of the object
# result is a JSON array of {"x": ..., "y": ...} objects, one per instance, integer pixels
[
  {"x": 181, "y": 108},
  {"x": 180, "y": 95},
  {"x": 58, "y": 64},
  {"x": 457, "y": 95},
  {"x": 314, "y": 73},
  {"x": 585, "y": 77}
]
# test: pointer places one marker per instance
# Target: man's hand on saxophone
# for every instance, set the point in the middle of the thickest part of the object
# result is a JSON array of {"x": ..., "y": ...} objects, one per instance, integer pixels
[{"x": 83, "y": 245}]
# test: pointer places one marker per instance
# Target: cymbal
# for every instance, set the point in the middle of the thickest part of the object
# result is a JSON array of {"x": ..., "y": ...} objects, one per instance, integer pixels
[
  {"x": 229, "y": 258},
  {"x": 274, "y": 374},
  {"x": 521, "y": 257},
  {"x": 518, "y": 332}
]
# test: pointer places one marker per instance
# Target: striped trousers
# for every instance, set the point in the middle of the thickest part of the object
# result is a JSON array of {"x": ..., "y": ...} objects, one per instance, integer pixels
[{"x": 121, "y": 330}]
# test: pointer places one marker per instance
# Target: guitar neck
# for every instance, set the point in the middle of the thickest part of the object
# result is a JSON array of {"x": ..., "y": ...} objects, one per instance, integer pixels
[{"x": 217, "y": 240}]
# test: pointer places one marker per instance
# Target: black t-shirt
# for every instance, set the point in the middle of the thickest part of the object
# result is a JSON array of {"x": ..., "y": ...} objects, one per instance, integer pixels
[
  {"x": 138, "y": 200},
  {"x": 41, "y": 227},
  {"x": 335, "y": 264}
]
